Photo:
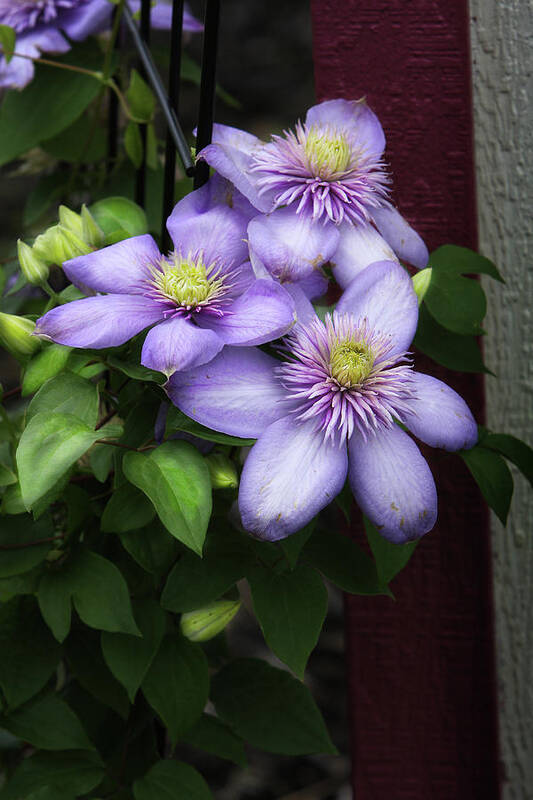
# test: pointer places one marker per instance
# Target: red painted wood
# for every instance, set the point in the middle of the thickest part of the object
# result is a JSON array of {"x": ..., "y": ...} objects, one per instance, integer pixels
[{"x": 421, "y": 669}]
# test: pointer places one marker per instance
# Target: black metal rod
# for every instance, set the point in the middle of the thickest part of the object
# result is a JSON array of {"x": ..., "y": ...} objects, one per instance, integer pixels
[
  {"x": 112, "y": 116},
  {"x": 140, "y": 180},
  {"x": 173, "y": 99},
  {"x": 207, "y": 88},
  {"x": 156, "y": 83}
]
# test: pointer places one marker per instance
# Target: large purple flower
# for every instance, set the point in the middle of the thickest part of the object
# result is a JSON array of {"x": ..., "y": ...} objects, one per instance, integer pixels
[
  {"x": 330, "y": 410},
  {"x": 41, "y": 24},
  {"x": 204, "y": 294},
  {"x": 330, "y": 170}
]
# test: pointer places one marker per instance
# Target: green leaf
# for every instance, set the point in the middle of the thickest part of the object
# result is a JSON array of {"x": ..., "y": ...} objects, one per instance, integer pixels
[
  {"x": 449, "y": 349},
  {"x": 86, "y": 661},
  {"x": 293, "y": 545},
  {"x": 67, "y": 394},
  {"x": 44, "y": 365},
  {"x": 82, "y": 142},
  {"x": 171, "y": 780},
  {"x": 136, "y": 371},
  {"x": 152, "y": 547},
  {"x": 178, "y": 421},
  {"x": 101, "y": 461},
  {"x": 7, "y": 41},
  {"x": 49, "y": 445},
  {"x": 343, "y": 562},
  {"x": 47, "y": 723},
  {"x": 119, "y": 214},
  {"x": 140, "y": 98},
  {"x": 97, "y": 590},
  {"x": 513, "y": 449},
  {"x": 458, "y": 304},
  {"x": 390, "y": 558},
  {"x": 211, "y": 735},
  {"x": 290, "y": 609},
  {"x": 129, "y": 657},
  {"x": 269, "y": 708},
  {"x": 133, "y": 144},
  {"x": 176, "y": 479},
  {"x": 128, "y": 509},
  {"x": 72, "y": 772},
  {"x": 177, "y": 684},
  {"x": 33, "y": 653},
  {"x": 48, "y": 189},
  {"x": 7, "y": 477},
  {"x": 19, "y": 585},
  {"x": 21, "y": 531},
  {"x": 462, "y": 261},
  {"x": 194, "y": 582},
  {"x": 493, "y": 477},
  {"x": 51, "y": 102}
]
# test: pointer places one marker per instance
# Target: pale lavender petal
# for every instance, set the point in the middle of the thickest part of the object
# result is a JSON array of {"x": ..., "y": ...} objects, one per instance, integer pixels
[
  {"x": 291, "y": 246},
  {"x": 20, "y": 71},
  {"x": 121, "y": 268},
  {"x": 440, "y": 417},
  {"x": 237, "y": 393},
  {"x": 103, "y": 321},
  {"x": 263, "y": 313},
  {"x": 383, "y": 294},
  {"x": 303, "y": 306},
  {"x": 314, "y": 286},
  {"x": 86, "y": 19},
  {"x": 216, "y": 192},
  {"x": 359, "y": 246},
  {"x": 403, "y": 239},
  {"x": 393, "y": 484},
  {"x": 178, "y": 344},
  {"x": 230, "y": 154},
  {"x": 161, "y": 16},
  {"x": 352, "y": 116},
  {"x": 290, "y": 474}
]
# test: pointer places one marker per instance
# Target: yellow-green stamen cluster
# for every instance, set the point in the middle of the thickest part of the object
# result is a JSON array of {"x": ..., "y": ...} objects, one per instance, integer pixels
[
  {"x": 350, "y": 363},
  {"x": 327, "y": 151},
  {"x": 187, "y": 281}
]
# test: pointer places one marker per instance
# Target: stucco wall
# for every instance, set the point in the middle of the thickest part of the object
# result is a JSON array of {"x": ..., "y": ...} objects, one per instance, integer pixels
[{"x": 502, "y": 34}]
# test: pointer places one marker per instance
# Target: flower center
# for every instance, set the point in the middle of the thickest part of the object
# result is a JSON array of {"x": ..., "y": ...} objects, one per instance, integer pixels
[
  {"x": 350, "y": 363},
  {"x": 188, "y": 282},
  {"x": 327, "y": 151}
]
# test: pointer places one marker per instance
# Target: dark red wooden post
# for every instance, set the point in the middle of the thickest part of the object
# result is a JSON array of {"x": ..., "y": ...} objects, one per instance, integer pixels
[{"x": 421, "y": 669}]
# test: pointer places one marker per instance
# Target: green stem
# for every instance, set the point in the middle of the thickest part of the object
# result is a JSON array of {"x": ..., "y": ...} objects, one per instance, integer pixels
[{"x": 71, "y": 67}]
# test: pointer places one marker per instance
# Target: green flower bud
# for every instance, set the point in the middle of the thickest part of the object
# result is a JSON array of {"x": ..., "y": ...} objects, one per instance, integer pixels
[
  {"x": 92, "y": 232},
  {"x": 207, "y": 622},
  {"x": 34, "y": 269},
  {"x": 421, "y": 283},
  {"x": 58, "y": 244},
  {"x": 16, "y": 335},
  {"x": 71, "y": 221},
  {"x": 222, "y": 471}
]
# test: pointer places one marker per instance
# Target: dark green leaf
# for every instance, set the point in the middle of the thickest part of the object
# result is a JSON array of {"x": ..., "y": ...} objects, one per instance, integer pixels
[
  {"x": 49, "y": 189},
  {"x": 343, "y": 562},
  {"x": 462, "y": 261},
  {"x": 172, "y": 780},
  {"x": 19, "y": 584},
  {"x": 457, "y": 303},
  {"x": 290, "y": 609},
  {"x": 44, "y": 365},
  {"x": 133, "y": 144},
  {"x": 178, "y": 421},
  {"x": 7, "y": 41},
  {"x": 101, "y": 461},
  {"x": 67, "y": 394},
  {"x": 7, "y": 477},
  {"x": 514, "y": 449},
  {"x": 176, "y": 479},
  {"x": 140, "y": 98},
  {"x": 452, "y": 350},
  {"x": 136, "y": 371},
  {"x": 75, "y": 772},
  {"x": 390, "y": 558},
  {"x": 129, "y": 657},
  {"x": 82, "y": 142},
  {"x": 269, "y": 708},
  {"x": 128, "y": 509},
  {"x": 85, "y": 658},
  {"x": 177, "y": 684},
  {"x": 47, "y": 723},
  {"x": 152, "y": 547},
  {"x": 292, "y": 546},
  {"x": 49, "y": 445},
  {"x": 119, "y": 214},
  {"x": 493, "y": 477},
  {"x": 211, "y": 735},
  {"x": 33, "y": 652},
  {"x": 22, "y": 530}
]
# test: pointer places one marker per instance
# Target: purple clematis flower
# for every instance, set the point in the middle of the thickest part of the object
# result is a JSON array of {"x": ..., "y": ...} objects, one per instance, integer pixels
[
  {"x": 40, "y": 26},
  {"x": 329, "y": 170},
  {"x": 204, "y": 294},
  {"x": 330, "y": 410}
]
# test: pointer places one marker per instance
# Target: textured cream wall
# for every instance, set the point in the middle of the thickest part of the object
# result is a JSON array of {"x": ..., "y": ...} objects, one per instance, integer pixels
[{"x": 502, "y": 46}]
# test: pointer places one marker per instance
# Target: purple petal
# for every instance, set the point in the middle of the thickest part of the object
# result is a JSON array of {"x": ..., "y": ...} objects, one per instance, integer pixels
[
  {"x": 103, "y": 321},
  {"x": 383, "y": 294},
  {"x": 405, "y": 241},
  {"x": 314, "y": 286},
  {"x": 352, "y": 116},
  {"x": 440, "y": 417},
  {"x": 290, "y": 474},
  {"x": 230, "y": 154},
  {"x": 359, "y": 246},
  {"x": 304, "y": 308},
  {"x": 121, "y": 268},
  {"x": 264, "y": 312},
  {"x": 393, "y": 484},
  {"x": 178, "y": 344},
  {"x": 237, "y": 393},
  {"x": 291, "y": 246},
  {"x": 161, "y": 16},
  {"x": 19, "y": 72},
  {"x": 86, "y": 19}
]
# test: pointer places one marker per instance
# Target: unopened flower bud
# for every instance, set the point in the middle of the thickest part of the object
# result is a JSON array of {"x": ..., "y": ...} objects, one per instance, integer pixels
[
  {"x": 222, "y": 471},
  {"x": 34, "y": 269},
  {"x": 71, "y": 221},
  {"x": 207, "y": 622},
  {"x": 16, "y": 335},
  {"x": 58, "y": 244},
  {"x": 92, "y": 233},
  {"x": 421, "y": 283}
]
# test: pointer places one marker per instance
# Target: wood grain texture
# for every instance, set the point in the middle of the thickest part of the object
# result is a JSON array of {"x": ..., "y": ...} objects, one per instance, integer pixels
[
  {"x": 502, "y": 43},
  {"x": 421, "y": 671}
]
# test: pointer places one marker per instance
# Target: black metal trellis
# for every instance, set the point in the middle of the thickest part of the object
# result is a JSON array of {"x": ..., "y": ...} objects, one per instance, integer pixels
[{"x": 169, "y": 101}]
